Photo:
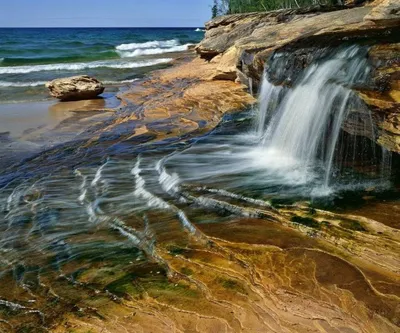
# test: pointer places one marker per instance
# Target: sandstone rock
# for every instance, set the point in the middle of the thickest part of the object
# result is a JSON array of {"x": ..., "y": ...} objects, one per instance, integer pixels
[
  {"x": 242, "y": 45},
  {"x": 227, "y": 66},
  {"x": 385, "y": 11},
  {"x": 225, "y": 31},
  {"x": 385, "y": 98},
  {"x": 75, "y": 88},
  {"x": 257, "y": 35}
]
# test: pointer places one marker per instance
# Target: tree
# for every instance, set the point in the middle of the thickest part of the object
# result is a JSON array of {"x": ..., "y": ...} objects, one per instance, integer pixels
[
  {"x": 214, "y": 9},
  {"x": 222, "y": 7}
]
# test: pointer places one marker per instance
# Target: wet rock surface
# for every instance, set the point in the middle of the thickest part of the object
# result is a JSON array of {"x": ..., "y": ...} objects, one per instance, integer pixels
[
  {"x": 190, "y": 258},
  {"x": 100, "y": 235},
  {"x": 384, "y": 99},
  {"x": 244, "y": 44}
]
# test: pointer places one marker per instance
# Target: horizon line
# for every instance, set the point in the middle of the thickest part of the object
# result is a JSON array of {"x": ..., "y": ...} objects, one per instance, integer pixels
[{"x": 103, "y": 27}]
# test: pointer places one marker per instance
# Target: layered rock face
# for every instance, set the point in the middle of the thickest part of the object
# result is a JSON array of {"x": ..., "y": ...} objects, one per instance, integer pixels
[
  {"x": 75, "y": 88},
  {"x": 243, "y": 44},
  {"x": 384, "y": 98}
]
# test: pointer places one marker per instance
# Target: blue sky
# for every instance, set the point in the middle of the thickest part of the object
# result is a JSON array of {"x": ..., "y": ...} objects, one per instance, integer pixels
[{"x": 104, "y": 13}]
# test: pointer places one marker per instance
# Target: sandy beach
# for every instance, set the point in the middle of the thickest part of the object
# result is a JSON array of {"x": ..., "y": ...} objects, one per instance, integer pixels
[{"x": 29, "y": 128}]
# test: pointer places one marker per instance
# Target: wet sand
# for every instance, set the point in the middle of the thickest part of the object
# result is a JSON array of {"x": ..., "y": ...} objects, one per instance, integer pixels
[
  {"x": 21, "y": 118},
  {"x": 16, "y": 118},
  {"x": 28, "y": 128}
]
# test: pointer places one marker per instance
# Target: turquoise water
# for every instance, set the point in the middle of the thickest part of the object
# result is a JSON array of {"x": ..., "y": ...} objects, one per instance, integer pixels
[{"x": 31, "y": 57}]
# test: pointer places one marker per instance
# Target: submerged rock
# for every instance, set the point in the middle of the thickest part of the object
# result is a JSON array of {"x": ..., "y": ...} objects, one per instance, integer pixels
[{"x": 75, "y": 88}]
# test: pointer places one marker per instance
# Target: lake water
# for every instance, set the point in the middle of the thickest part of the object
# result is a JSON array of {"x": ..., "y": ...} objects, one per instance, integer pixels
[{"x": 31, "y": 57}]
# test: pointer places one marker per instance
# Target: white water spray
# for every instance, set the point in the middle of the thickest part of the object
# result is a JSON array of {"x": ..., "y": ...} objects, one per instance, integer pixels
[{"x": 305, "y": 125}]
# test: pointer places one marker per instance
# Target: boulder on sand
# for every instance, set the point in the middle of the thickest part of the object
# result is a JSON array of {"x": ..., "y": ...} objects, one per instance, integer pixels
[{"x": 75, "y": 88}]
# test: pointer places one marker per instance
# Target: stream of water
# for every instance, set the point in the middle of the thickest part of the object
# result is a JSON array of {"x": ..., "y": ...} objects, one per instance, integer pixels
[
  {"x": 288, "y": 153},
  {"x": 286, "y": 150}
]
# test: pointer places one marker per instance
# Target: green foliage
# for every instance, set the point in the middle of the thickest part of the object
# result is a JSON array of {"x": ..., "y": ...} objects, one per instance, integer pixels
[
  {"x": 214, "y": 11},
  {"x": 222, "y": 7}
]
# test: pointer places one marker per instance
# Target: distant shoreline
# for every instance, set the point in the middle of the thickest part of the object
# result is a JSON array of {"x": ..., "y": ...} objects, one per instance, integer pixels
[{"x": 164, "y": 28}]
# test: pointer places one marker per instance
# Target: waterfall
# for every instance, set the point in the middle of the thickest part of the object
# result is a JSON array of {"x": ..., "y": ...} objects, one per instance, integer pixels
[
  {"x": 268, "y": 99},
  {"x": 303, "y": 125}
]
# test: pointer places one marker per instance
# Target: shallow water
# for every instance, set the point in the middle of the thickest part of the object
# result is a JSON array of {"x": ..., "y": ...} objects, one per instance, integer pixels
[
  {"x": 214, "y": 232},
  {"x": 46, "y": 209},
  {"x": 88, "y": 233}
]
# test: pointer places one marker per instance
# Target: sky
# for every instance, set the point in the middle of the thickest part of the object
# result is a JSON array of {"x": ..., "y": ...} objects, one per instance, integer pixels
[{"x": 104, "y": 13}]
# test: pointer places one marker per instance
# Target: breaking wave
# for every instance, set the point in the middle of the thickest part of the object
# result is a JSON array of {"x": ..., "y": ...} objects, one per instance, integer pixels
[
  {"x": 81, "y": 66},
  {"x": 150, "y": 48},
  {"x": 5, "y": 84},
  {"x": 140, "y": 52},
  {"x": 21, "y": 84},
  {"x": 148, "y": 45}
]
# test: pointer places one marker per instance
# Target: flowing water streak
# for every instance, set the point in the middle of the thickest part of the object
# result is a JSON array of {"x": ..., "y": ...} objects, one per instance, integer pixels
[
  {"x": 313, "y": 109},
  {"x": 267, "y": 99},
  {"x": 169, "y": 182},
  {"x": 141, "y": 192}
]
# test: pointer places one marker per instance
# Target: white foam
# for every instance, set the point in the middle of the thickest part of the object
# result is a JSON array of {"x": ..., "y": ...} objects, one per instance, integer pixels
[
  {"x": 128, "y": 235},
  {"x": 185, "y": 221},
  {"x": 120, "y": 82},
  {"x": 97, "y": 177},
  {"x": 286, "y": 168},
  {"x": 81, "y": 66},
  {"x": 147, "y": 45},
  {"x": 169, "y": 183},
  {"x": 199, "y": 30},
  {"x": 152, "y": 51},
  {"x": 21, "y": 84},
  {"x": 142, "y": 193}
]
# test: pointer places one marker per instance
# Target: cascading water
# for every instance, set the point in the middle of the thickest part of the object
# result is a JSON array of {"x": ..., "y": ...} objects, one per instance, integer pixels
[
  {"x": 268, "y": 99},
  {"x": 119, "y": 228},
  {"x": 312, "y": 137},
  {"x": 303, "y": 126}
]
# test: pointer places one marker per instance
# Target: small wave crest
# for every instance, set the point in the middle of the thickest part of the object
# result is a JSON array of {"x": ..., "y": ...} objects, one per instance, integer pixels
[
  {"x": 199, "y": 30},
  {"x": 81, "y": 66},
  {"x": 21, "y": 84},
  {"x": 89, "y": 56},
  {"x": 140, "y": 52},
  {"x": 148, "y": 45},
  {"x": 7, "y": 84},
  {"x": 150, "y": 48}
]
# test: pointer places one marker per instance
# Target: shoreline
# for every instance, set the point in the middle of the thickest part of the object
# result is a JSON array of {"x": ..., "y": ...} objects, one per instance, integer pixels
[
  {"x": 29, "y": 128},
  {"x": 183, "y": 97},
  {"x": 51, "y": 112},
  {"x": 151, "y": 228},
  {"x": 180, "y": 100}
]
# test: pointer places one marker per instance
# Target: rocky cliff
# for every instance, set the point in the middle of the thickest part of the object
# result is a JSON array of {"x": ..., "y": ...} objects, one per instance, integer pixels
[{"x": 242, "y": 45}]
